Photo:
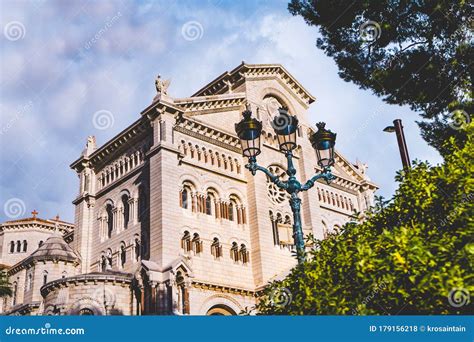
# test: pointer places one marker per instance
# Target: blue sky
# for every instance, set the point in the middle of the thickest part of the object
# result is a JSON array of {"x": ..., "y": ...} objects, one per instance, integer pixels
[{"x": 63, "y": 61}]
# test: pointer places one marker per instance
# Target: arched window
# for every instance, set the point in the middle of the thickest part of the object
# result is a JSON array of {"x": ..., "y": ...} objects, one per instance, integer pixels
[
  {"x": 325, "y": 230},
  {"x": 244, "y": 254},
  {"x": 40, "y": 243},
  {"x": 45, "y": 277},
  {"x": 234, "y": 252},
  {"x": 216, "y": 248},
  {"x": 230, "y": 209},
  {"x": 12, "y": 247},
  {"x": 103, "y": 263},
  {"x": 15, "y": 292},
  {"x": 110, "y": 220},
  {"x": 209, "y": 200},
  {"x": 109, "y": 259},
  {"x": 197, "y": 243},
  {"x": 29, "y": 281},
  {"x": 123, "y": 255},
  {"x": 184, "y": 198},
  {"x": 18, "y": 246},
  {"x": 186, "y": 242},
  {"x": 137, "y": 249},
  {"x": 25, "y": 245},
  {"x": 126, "y": 210},
  {"x": 274, "y": 221}
]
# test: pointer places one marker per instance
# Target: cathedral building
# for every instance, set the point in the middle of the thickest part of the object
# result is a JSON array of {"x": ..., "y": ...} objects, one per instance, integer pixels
[{"x": 168, "y": 221}]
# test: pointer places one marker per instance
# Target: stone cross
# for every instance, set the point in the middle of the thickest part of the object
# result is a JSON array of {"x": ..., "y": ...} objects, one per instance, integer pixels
[{"x": 34, "y": 213}]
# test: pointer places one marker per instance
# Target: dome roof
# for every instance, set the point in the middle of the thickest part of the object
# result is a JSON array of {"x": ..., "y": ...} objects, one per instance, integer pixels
[{"x": 55, "y": 248}]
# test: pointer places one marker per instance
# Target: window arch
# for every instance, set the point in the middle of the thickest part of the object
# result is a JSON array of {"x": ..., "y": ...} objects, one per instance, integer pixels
[
  {"x": 234, "y": 252},
  {"x": 325, "y": 229},
  {"x": 109, "y": 259},
  {"x": 126, "y": 210},
  {"x": 244, "y": 254},
  {"x": 137, "y": 248},
  {"x": 29, "y": 281},
  {"x": 273, "y": 220},
  {"x": 45, "y": 277},
  {"x": 210, "y": 201},
  {"x": 282, "y": 230},
  {"x": 216, "y": 248},
  {"x": 18, "y": 246},
  {"x": 236, "y": 210},
  {"x": 103, "y": 263},
  {"x": 186, "y": 196},
  {"x": 123, "y": 254},
  {"x": 25, "y": 245},
  {"x": 110, "y": 219},
  {"x": 230, "y": 209},
  {"x": 15, "y": 293},
  {"x": 12, "y": 246},
  {"x": 186, "y": 242},
  {"x": 197, "y": 243},
  {"x": 40, "y": 243}
]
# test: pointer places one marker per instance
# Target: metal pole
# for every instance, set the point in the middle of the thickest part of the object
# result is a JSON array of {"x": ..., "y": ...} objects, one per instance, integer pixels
[
  {"x": 402, "y": 145},
  {"x": 298, "y": 236},
  {"x": 295, "y": 203}
]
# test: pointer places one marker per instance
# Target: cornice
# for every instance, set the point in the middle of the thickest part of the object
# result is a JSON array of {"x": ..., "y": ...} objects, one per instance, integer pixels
[
  {"x": 204, "y": 285},
  {"x": 112, "y": 146},
  {"x": 42, "y": 258},
  {"x": 124, "y": 278},
  {"x": 211, "y": 104},
  {"x": 208, "y": 134}
]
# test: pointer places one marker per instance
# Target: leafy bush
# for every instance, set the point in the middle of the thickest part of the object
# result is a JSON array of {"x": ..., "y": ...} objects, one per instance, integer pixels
[{"x": 410, "y": 255}]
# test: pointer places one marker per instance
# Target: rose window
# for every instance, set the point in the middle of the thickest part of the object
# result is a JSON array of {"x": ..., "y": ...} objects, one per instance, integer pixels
[{"x": 276, "y": 194}]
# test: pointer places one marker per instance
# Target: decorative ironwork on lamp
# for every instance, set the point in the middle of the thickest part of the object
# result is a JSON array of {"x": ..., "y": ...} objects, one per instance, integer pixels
[{"x": 285, "y": 126}]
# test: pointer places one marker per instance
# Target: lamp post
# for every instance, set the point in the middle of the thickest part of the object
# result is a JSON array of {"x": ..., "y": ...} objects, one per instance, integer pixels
[
  {"x": 402, "y": 144},
  {"x": 285, "y": 126}
]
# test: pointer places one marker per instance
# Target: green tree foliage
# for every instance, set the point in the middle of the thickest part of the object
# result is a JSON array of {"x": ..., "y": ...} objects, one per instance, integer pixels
[
  {"x": 5, "y": 289},
  {"x": 416, "y": 53},
  {"x": 410, "y": 255}
]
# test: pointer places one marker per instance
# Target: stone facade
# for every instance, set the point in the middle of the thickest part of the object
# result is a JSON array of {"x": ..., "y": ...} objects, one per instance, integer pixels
[{"x": 169, "y": 221}]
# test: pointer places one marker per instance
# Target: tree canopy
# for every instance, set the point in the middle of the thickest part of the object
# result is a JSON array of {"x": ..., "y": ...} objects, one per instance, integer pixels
[
  {"x": 410, "y": 255},
  {"x": 416, "y": 53}
]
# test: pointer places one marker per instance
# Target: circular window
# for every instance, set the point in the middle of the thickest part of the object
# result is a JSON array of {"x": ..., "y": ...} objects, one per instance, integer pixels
[{"x": 276, "y": 194}]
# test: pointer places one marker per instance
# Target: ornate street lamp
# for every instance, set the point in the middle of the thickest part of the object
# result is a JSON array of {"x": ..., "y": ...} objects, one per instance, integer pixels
[{"x": 285, "y": 126}]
